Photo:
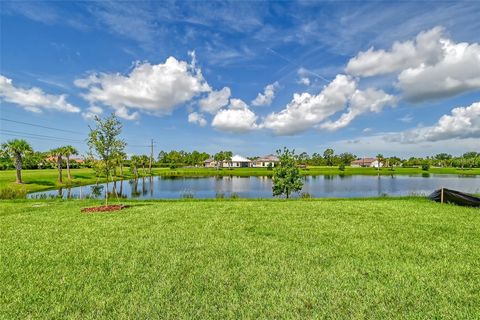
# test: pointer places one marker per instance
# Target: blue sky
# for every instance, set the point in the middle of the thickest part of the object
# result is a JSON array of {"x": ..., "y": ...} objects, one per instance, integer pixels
[{"x": 374, "y": 77}]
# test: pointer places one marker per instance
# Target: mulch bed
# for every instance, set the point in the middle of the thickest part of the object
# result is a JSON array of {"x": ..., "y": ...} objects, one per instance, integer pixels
[{"x": 112, "y": 207}]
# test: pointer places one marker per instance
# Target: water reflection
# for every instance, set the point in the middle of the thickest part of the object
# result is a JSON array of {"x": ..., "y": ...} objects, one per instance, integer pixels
[{"x": 261, "y": 187}]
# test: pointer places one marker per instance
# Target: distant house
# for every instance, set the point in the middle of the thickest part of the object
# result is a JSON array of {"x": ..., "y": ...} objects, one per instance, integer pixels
[
  {"x": 265, "y": 161},
  {"x": 210, "y": 163},
  {"x": 237, "y": 161},
  {"x": 367, "y": 162}
]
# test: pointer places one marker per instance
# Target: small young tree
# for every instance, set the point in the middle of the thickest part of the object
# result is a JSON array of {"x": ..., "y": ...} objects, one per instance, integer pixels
[
  {"x": 286, "y": 176},
  {"x": 105, "y": 143},
  {"x": 16, "y": 149}
]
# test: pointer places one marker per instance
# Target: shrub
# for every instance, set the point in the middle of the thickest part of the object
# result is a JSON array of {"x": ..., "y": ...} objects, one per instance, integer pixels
[
  {"x": 341, "y": 167},
  {"x": 425, "y": 167},
  {"x": 234, "y": 195},
  {"x": 12, "y": 193},
  {"x": 305, "y": 195},
  {"x": 220, "y": 195}
]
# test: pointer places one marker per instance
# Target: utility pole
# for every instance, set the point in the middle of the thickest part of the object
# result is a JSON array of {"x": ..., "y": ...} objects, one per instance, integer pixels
[{"x": 151, "y": 157}]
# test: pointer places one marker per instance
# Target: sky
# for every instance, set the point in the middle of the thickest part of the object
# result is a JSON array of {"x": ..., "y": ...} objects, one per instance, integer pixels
[{"x": 397, "y": 78}]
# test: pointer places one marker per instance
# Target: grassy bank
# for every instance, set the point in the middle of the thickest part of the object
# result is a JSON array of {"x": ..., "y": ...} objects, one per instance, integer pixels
[
  {"x": 37, "y": 180},
  {"x": 382, "y": 259}
]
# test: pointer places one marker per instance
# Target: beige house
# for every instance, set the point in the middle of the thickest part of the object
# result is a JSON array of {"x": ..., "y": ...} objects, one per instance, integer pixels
[
  {"x": 265, "y": 161},
  {"x": 367, "y": 162},
  {"x": 210, "y": 163}
]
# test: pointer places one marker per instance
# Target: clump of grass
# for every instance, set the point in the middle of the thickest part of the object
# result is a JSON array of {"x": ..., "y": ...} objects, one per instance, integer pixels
[
  {"x": 12, "y": 193},
  {"x": 305, "y": 195}
]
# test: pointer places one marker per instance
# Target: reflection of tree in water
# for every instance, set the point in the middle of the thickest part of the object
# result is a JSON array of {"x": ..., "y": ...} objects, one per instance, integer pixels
[
  {"x": 134, "y": 187},
  {"x": 96, "y": 191},
  {"x": 151, "y": 186},
  {"x": 117, "y": 192},
  {"x": 60, "y": 193},
  {"x": 144, "y": 189}
]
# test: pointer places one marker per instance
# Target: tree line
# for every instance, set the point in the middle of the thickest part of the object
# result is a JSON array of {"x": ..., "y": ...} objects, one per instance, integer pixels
[{"x": 106, "y": 155}]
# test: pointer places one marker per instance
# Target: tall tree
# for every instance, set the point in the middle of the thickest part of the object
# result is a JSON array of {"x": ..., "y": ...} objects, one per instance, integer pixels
[
  {"x": 58, "y": 153},
  {"x": 104, "y": 142},
  {"x": 286, "y": 176},
  {"x": 328, "y": 156},
  {"x": 17, "y": 149},
  {"x": 68, "y": 152}
]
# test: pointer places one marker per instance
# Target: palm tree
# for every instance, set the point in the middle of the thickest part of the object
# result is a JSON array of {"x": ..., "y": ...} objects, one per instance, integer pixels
[
  {"x": 120, "y": 157},
  {"x": 58, "y": 154},
  {"x": 69, "y": 151},
  {"x": 134, "y": 163},
  {"x": 16, "y": 149},
  {"x": 379, "y": 160},
  {"x": 228, "y": 157},
  {"x": 144, "y": 160}
]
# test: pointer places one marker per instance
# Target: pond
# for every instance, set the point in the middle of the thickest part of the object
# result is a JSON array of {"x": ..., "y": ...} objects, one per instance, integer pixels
[{"x": 336, "y": 186}]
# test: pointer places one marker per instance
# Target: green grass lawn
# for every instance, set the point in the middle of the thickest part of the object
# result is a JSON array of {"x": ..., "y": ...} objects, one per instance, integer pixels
[
  {"x": 37, "y": 180},
  {"x": 337, "y": 259}
]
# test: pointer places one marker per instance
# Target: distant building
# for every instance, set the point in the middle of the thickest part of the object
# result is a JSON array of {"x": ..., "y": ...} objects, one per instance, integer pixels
[
  {"x": 367, "y": 162},
  {"x": 210, "y": 163},
  {"x": 265, "y": 161},
  {"x": 237, "y": 161}
]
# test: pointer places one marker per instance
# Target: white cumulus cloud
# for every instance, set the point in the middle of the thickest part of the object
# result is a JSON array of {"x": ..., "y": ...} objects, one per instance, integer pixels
[
  {"x": 306, "y": 110},
  {"x": 462, "y": 123},
  {"x": 266, "y": 98},
  {"x": 237, "y": 118},
  {"x": 215, "y": 100},
  {"x": 197, "y": 118},
  {"x": 457, "y": 72},
  {"x": 33, "y": 99},
  {"x": 431, "y": 66},
  {"x": 369, "y": 100},
  {"x": 153, "y": 88},
  {"x": 426, "y": 48}
]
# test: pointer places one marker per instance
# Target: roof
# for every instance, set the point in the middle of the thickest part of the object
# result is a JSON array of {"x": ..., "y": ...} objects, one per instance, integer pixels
[
  {"x": 364, "y": 160},
  {"x": 238, "y": 158},
  {"x": 270, "y": 157},
  {"x": 209, "y": 160}
]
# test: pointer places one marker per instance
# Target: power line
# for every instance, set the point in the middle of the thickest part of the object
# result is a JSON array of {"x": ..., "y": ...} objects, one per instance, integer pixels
[
  {"x": 40, "y": 126},
  {"x": 40, "y": 138},
  {"x": 38, "y": 135},
  {"x": 46, "y": 137}
]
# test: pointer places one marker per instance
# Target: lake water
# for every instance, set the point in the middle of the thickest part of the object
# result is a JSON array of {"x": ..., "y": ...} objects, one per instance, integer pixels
[{"x": 336, "y": 186}]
